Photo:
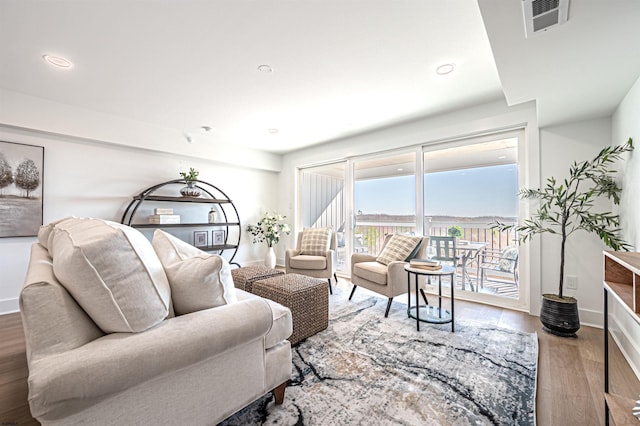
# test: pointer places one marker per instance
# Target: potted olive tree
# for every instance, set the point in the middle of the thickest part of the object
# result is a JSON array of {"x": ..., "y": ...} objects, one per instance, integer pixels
[{"x": 566, "y": 207}]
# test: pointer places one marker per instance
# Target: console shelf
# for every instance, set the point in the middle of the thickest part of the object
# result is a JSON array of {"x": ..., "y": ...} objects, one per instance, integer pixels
[
  {"x": 622, "y": 282},
  {"x": 163, "y": 192}
]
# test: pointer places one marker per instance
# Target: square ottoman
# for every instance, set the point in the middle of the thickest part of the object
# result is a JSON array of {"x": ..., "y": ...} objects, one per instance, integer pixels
[
  {"x": 306, "y": 297},
  {"x": 244, "y": 277}
]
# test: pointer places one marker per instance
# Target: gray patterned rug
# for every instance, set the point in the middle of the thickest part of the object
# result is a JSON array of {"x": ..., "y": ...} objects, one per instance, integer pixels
[{"x": 366, "y": 369}]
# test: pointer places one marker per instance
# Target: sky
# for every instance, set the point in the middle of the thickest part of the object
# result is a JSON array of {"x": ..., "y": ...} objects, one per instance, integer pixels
[{"x": 482, "y": 191}]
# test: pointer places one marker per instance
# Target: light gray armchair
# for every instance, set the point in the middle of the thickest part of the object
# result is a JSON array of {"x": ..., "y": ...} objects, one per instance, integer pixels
[
  {"x": 389, "y": 280},
  {"x": 321, "y": 263}
]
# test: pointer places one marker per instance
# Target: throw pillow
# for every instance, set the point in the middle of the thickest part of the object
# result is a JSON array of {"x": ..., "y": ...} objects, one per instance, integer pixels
[
  {"x": 171, "y": 249},
  {"x": 398, "y": 248},
  {"x": 200, "y": 282},
  {"x": 112, "y": 272},
  {"x": 315, "y": 241}
]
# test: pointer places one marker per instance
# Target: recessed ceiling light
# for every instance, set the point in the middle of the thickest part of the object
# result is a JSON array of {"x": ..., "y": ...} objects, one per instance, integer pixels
[
  {"x": 58, "y": 61},
  {"x": 502, "y": 157},
  {"x": 445, "y": 69},
  {"x": 273, "y": 131},
  {"x": 265, "y": 68},
  {"x": 400, "y": 169}
]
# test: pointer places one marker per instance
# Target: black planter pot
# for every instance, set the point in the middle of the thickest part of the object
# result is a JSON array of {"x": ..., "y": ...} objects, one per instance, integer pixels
[{"x": 560, "y": 316}]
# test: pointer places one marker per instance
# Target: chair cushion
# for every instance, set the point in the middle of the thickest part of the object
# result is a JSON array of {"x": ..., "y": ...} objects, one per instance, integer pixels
[
  {"x": 112, "y": 272},
  {"x": 198, "y": 280},
  {"x": 303, "y": 261},
  {"x": 315, "y": 241},
  {"x": 507, "y": 259},
  {"x": 371, "y": 271},
  {"x": 399, "y": 248}
]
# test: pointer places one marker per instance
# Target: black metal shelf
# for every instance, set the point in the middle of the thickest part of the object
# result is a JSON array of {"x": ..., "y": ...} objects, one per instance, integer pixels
[
  {"x": 183, "y": 199},
  {"x": 210, "y": 195},
  {"x": 182, "y": 225}
]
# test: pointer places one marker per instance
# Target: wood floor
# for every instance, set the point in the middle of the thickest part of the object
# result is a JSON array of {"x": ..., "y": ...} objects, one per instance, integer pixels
[{"x": 570, "y": 371}]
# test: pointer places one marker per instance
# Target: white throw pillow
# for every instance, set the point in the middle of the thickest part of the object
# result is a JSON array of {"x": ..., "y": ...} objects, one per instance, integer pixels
[
  {"x": 112, "y": 271},
  {"x": 315, "y": 241},
  {"x": 171, "y": 249},
  {"x": 398, "y": 248},
  {"x": 198, "y": 280}
]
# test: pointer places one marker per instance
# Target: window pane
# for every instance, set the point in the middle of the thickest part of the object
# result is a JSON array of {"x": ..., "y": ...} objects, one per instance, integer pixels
[{"x": 385, "y": 200}]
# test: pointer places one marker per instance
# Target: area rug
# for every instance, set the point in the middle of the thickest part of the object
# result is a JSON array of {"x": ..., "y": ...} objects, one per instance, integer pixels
[{"x": 369, "y": 370}]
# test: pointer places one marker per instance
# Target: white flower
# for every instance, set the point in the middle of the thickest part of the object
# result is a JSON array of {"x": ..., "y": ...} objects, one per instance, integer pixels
[{"x": 269, "y": 228}]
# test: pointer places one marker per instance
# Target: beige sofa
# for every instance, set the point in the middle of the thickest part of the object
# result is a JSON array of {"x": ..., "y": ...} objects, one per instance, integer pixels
[{"x": 195, "y": 368}]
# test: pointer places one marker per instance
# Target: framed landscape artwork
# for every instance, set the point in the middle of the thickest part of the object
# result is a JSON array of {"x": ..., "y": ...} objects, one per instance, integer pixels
[{"x": 21, "y": 189}]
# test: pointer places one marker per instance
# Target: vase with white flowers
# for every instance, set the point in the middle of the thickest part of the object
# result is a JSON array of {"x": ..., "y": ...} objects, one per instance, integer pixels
[{"x": 270, "y": 228}]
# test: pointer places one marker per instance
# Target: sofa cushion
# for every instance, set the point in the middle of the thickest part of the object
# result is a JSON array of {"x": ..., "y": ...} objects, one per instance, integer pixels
[
  {"x": 303, "y": 261},
  {"x": 371, "y": 271},
  {"x": 53, "y": 321},
  {"x": 45, "y": 231},
  {"x": 398, "y": 248},
  {"x": 315, "y": 241},
  {"x": 198, "y": 280},
  {"x": 112, "y": 272}
]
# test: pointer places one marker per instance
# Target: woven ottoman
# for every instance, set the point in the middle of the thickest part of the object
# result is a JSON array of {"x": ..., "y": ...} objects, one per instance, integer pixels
[
  {"x": 306, "y": 297},
  {"x": 244, "y": 277}
]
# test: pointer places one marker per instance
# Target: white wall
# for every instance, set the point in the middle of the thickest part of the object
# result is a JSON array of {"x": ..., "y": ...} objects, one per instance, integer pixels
[
  {"x": 625, "y": 125},
  {"x": 560, "y": 146},
  {"x": 86, "y": 178}
]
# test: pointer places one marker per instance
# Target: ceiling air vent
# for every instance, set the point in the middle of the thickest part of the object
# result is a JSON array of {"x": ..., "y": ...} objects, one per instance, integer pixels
[{"x": 541, "y": 15}]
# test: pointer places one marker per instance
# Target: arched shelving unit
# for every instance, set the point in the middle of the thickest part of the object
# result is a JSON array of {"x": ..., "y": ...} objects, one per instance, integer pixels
[{"x": 136, "y": 214}]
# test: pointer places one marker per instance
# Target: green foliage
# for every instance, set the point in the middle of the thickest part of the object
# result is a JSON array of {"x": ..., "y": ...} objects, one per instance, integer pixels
[
  {"x": 566, "y": 206},
  {"x": 269, "y": 229},
  {"x": 191, "y": 175},
  {"x": 454, "y": 231}
]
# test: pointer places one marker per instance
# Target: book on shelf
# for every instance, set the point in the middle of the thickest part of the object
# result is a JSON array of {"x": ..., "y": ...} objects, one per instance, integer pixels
[
  {"x": 424, "y": 262},
  {"x": 164, "y": 219},
  {"x": 158, "y": 211}
]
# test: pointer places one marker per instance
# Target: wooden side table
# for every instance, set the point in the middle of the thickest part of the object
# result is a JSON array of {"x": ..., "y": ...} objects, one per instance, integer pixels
[{"x": 430, "y": 313}]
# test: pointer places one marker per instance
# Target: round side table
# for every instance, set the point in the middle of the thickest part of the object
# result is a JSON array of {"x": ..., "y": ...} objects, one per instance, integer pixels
[{"x": 430, "y": 313}]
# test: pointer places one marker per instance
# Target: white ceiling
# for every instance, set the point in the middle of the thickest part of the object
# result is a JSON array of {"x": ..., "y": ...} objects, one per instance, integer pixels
[{"x": 340, "y": 67}]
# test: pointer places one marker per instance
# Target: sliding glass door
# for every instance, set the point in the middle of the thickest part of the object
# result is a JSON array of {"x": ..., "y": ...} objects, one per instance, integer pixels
[
  {"x": 468, "y": 185},
  {"x": 465, "y": 186}
]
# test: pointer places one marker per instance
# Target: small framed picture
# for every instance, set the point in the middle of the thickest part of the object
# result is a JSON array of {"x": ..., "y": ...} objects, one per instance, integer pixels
[
  {"x": 200, "y": 238},
  {"x": 217, "y": 237}
]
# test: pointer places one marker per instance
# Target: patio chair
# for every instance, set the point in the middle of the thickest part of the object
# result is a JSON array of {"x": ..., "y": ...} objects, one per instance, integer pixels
[{"x": 505, "y": 260}]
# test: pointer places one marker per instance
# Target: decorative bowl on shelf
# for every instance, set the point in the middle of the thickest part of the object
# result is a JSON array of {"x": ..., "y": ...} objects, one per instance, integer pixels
[{"x": 190, "y": 190}]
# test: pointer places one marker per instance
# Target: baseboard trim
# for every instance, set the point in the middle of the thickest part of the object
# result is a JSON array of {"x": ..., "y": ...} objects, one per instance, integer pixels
[{"x": 8, "y": 306}]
